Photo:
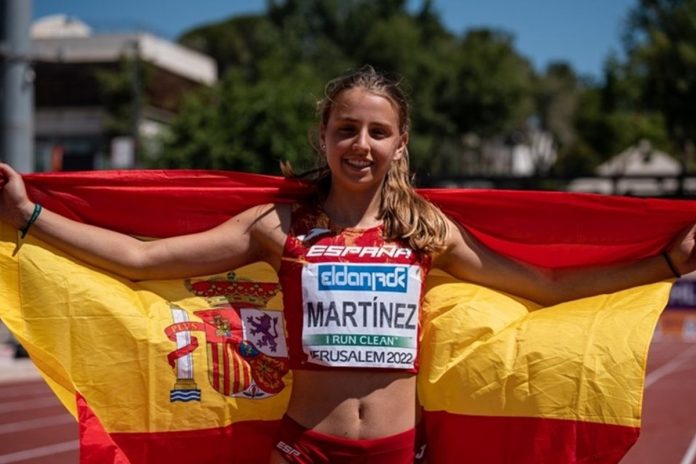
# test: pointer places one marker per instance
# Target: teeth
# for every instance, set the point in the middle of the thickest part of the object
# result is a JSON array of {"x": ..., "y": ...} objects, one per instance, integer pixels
[{"x": 358, "y": 164}]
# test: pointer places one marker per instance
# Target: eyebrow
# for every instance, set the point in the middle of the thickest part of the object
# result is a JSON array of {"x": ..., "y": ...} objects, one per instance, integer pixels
[{"x": 350, "y": 119}]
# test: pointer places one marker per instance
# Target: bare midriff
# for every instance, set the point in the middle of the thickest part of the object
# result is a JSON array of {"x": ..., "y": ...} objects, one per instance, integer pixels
[{"x": 357, "y": 405}]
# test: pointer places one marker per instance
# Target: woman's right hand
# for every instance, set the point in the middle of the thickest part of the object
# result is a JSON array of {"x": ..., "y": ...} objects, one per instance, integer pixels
[{"x": 15, "y": 206}]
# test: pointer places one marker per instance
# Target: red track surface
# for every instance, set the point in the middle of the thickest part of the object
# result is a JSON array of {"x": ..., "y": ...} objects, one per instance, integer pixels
[
  {"x": 35, "y": 429},
  {"x": 668, "y": 432},
  {"x": 34, "y": 426}
]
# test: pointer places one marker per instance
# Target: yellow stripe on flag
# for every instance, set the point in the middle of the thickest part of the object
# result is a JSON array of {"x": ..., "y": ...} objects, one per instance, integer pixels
[
  {"x": 104, "y": 337},
  {"x": 490, "y": 354},
  {"x": 12, "y": 316}
]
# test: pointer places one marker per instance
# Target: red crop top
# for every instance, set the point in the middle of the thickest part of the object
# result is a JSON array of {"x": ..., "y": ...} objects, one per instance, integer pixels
[{"x": 351, "y": 299}]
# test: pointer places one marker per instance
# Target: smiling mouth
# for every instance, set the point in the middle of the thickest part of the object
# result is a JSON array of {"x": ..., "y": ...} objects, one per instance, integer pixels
[{"x": 358, "y": 164}]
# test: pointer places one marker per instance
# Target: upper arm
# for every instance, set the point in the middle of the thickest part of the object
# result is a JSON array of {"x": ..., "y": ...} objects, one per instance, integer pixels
[
  {"x": 468, "y": 259},
  {"x": 256, "y": 234}
]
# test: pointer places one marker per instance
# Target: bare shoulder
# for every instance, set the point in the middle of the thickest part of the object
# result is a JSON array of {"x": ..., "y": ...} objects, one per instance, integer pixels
[
  {"x": 267, "y": 217},
  {"x": 268, "y": 224},
  {"x": 457, "y": 246}
]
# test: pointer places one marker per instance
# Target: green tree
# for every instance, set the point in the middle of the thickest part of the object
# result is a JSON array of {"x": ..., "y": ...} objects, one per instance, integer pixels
[
  {"x": 608, "y": 118},
  {"x": 122, "y": 89},
  {"x": 661, "y": 46},
  {"x": 246, "y": 124},
  {"x": 490, "y": 86},
  {"x": 556, "y": 92},
  {"x": 274, "y": 66},
  {"x": 235, "y": 43}
]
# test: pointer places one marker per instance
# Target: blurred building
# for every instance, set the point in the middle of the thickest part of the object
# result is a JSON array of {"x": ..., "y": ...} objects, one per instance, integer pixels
[
  {"x": 531, "y": 153},
  {"x": 639, "y": 170},
  {"x": 99, "y": 96},
  {"x": 498, "y": 161}
]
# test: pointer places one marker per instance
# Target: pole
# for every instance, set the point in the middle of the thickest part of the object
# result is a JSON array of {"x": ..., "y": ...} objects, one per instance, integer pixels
[
  {"x": 16, "y": 85},
  {"x": 136, "y": 94}
]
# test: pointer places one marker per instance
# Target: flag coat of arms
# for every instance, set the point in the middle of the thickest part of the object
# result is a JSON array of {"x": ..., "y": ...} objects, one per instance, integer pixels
[{"x": 196, "y": 370}]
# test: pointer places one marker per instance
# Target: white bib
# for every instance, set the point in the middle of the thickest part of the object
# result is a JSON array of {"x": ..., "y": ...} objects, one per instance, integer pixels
[{"x": 361, "y": 314}]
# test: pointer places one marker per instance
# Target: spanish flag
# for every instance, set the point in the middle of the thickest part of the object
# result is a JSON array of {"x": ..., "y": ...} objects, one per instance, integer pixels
[{"x": 196, "y": 370}]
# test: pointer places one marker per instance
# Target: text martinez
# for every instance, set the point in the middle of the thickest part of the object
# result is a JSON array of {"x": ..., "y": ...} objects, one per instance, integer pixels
[{"x": 362, "y": 314}]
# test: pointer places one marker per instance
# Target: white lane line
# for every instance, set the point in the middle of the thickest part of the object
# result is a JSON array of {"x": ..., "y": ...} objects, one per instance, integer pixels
[
  {"x": 26, "y": 405},
  {"x": 39, "y": 423},
  {"x": 39, "y": 452},
  {"x": 690, "y": 453},
  {"x": 671, "y": 366},
  {"x": 24, "y": 391}
]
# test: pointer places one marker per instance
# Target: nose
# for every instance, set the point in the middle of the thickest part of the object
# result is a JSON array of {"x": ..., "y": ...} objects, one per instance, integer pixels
[{"x": 361, "y": 142}]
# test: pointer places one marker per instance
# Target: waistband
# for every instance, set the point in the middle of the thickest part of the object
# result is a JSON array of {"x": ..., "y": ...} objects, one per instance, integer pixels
[{"x": 397, "y": 441}]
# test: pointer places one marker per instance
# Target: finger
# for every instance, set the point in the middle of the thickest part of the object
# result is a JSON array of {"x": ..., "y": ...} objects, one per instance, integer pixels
[
  {"x": 5, "y": 173},
  {"x": 9, "y": 175},
  {"x": 7, "y": 170}
]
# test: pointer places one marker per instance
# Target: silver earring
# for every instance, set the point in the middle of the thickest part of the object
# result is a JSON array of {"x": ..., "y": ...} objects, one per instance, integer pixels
[{"x": 323, "y": 147}]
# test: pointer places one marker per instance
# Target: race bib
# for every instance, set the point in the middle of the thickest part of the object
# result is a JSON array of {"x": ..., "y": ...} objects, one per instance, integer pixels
[{"x": 361, "y": 314}]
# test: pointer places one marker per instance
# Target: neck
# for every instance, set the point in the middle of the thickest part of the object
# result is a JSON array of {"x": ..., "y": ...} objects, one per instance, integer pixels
[{"x": 353, "y": 209}]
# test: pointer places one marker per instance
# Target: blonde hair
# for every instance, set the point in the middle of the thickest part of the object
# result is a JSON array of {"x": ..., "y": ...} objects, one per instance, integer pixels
[{"x": 405, "y": 214}]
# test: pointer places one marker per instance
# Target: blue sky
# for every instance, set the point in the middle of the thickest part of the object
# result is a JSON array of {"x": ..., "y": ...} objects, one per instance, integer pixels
[{"x": 581, "y": 32}]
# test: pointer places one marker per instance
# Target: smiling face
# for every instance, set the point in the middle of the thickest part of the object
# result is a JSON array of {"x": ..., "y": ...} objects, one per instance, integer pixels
[{"x": 362, "y": 138}]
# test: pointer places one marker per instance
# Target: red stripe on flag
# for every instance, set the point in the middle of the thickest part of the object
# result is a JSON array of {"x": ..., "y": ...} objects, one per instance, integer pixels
[
  {"x": 214, "y": 348},
  {"x": 107, "y": 197},
  {"x": 247, "y": 442},
  {"x": 244, "y": 372},
  {"x": 454, "y": 438},
  {"x": 515, "y": 223},
  {"x": 96, "y": 445},
  {"x": 235, "y": 368}
]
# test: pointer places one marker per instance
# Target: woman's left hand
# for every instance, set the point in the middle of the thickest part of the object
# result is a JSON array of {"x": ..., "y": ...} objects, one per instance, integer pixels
[{"x": 682, "y": 250}]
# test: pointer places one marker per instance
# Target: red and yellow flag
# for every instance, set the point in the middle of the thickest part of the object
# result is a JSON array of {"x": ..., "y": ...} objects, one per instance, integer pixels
[{"x": 196, "y": 370}]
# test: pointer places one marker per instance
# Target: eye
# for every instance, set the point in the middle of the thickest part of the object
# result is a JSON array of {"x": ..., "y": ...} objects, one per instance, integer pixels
[
  {"x": 346, "y": 130},
  {"x": 380, "y": 132}
]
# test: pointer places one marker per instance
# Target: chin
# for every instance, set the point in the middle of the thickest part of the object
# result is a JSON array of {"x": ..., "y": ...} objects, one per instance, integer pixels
[{"x": 363, "y": 184}]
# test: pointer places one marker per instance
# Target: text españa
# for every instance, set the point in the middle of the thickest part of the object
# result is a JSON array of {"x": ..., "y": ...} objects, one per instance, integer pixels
[{"x": 363, "y": 252}]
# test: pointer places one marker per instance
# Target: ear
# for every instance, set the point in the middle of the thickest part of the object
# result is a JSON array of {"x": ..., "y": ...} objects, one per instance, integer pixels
[
  {"x": 401, "y": 148},
  {"x": 322, "y": 137}
]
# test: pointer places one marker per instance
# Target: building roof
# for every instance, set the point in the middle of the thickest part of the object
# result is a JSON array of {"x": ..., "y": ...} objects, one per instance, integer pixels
[
  {"x": 67, "y": 40},
  {"x": 59, "y": 25},
  {"x": 658, "y": 168},
  {"x": 640, "y": 159}
]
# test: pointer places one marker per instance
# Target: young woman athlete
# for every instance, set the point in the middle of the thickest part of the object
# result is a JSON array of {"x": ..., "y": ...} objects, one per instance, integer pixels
[{"x": 365, "y": 244}]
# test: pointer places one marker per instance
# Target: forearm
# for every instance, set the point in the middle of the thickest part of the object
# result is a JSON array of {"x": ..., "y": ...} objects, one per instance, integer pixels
[
  {"x": 216, "y": 250},
  {"x": 470, "y": 260},
  {"x": 112, "y": 251},
  {"x": 188, "y": 255},
  {"x": 572, "y": 283}
]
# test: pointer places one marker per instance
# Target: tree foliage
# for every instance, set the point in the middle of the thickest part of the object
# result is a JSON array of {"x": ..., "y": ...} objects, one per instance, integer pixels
[
  {"x": 661, "y": 44},
  {"x": 648, "y": 95},
  {"x": 118, "y": 93},
  {"x": 463, "y": 87},
  {"x": 274, "y": 67},
  {"x": 246, "y": 124}
]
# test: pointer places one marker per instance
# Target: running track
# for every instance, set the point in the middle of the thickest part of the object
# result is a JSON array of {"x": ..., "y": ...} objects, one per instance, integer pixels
[{"x": 35, "y": 429}]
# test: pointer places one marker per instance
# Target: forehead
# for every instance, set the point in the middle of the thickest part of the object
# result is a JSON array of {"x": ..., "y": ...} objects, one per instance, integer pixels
[{"x": 359, "y": 103}]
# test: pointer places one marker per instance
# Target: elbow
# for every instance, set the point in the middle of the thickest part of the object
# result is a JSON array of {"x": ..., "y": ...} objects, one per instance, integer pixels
[
  {"x": 135, "y": 263},
  {"x": 551, "y": 290}
]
